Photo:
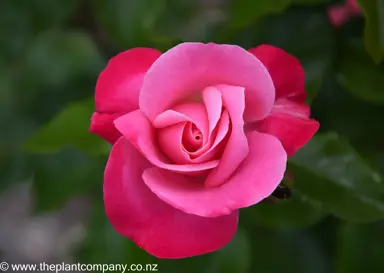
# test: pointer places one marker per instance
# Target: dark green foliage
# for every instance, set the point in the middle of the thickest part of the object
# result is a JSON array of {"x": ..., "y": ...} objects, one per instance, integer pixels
[{"x": 51, "y": 53}]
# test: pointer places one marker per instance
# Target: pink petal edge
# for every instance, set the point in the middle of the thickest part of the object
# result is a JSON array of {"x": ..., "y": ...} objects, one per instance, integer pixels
[
  {"x": 236, "y": 149},
  {"x": 102, "y": 126},
  {"x": 289, "y": 122},
  {"x": 158, "y": 228},
  {"x": 139, "y": 131},
  {"x": 286, "y": 71},
  {"x": 188, "y": 68},
  {"x": 255, "y": 179},
  {"x": 119, "y": 84}
]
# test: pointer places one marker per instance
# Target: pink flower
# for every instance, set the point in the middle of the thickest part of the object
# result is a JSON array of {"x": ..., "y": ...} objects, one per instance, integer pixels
[
  {"x": 339, "y": 14},
  {"x": 199, "y": 132}
]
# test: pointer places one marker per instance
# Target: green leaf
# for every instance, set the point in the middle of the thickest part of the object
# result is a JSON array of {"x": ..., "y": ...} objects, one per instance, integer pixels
[
  {"x": 187, "y": 21},
  {"x": 14, "y": 168},
  {"x": 328, "y": 170},
  {"x": 15, "y": 165},
  {"x": 360, "y": 76},
  {"x": 245, "y": 12},
  {"x": 103, "y": 244},
  {"x": 315, "y": 53},
  {"x": 128, "y": 23},
  {"x": 20, "y": 20},
  {"x": 15, "y": 28},
  {"x": 59, "y": 177},
  {"x": 276, "y": 251},
  {"x": 335, "y": 109},
  {"x": 47, "y": 13},
  {"x": 57, "y": 57},
  {"x": 234, "y": 257},
  {"x": 374, "y": 27},
  {"x": 296, "y": 212},
  {"x": 69, "y": 129},
  {"x": 59, "y": 67},
  {"x": 353, "y": 239},
  {"x": 311, "y": 2}
]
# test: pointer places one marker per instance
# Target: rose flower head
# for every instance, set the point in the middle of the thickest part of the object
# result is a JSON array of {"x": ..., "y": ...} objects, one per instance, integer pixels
[
  {"x": 198, "y": 133},
  {"x": 339, "y": 14}
]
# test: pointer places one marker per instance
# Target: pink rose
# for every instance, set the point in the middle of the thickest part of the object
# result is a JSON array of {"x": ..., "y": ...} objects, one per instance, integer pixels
[
  {"x": 199, "y": 132},
  {"x": 339, "y": 14}
]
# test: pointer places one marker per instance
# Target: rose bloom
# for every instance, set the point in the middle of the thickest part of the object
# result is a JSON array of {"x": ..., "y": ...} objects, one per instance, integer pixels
[
  {"x": 339, "y": 14},
  {"x": 198, "y": 133}
]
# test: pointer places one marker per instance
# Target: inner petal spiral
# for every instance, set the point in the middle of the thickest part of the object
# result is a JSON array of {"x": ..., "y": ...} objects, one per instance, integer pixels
[
  {"x": 192, "y": 138},
  {"x": 194, "y": 132}
]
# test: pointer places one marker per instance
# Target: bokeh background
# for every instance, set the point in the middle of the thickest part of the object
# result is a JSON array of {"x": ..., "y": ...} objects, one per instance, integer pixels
[{"x": 51, "y": 207}]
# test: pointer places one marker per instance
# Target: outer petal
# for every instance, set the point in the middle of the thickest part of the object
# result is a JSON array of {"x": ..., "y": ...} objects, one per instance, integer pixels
[
  {"x": 158, "y": 228},
  {"x": 290, "y": 123},
  {"x": 255, "y": 179},
  {"x": 185, "y": 70},
  {"x": 102, "y": 126},
  {"x": 286, "y": 71},
  {"x": 139, "y": 131},
  {"x": 118, "y": 86}
]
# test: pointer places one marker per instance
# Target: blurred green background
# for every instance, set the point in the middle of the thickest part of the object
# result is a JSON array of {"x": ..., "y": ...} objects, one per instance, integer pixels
[{"x": 51, "y": 52}]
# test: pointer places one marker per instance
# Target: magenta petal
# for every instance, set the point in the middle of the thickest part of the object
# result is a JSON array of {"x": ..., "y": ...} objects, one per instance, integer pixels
[
  {"x": 353, "y": 7},
  {"x": 255, "y": 179},
  {"x": 118, "y": 86},
  {"x": 213, "y": 103},
  {"x": 185, "y": 70},
  {"x": 139, "y": 131},
  {"x": 290, "y": 122},
  {"x": 158, "y": 228},
  {"x": 237, "y": 147},
  {"x": 102, "y": 125},
  {"x": 170, "y": 142},
  {"x": 286, "y": 71},
  {"x": 214, "y": 146},
  {"x": 197, "y": 114},
  {"x": 338, "y": 14},
  {"x": 169, "y": 118}
]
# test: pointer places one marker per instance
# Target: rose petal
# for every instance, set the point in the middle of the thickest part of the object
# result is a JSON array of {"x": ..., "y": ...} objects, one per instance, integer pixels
[
  {"x": 102, "y": 126},
  {"x": 185, "y": 70},
  {"x": 158, "y": 228},
  {"x": 169, "y": 118},
  {"x": 212, "y": 148},
  {"x": 139, "y": 131},
  {"x": 237, "y": 147},
  {"x": 174, "y": 149},
  {"x": 284, "y": 106},
  {"x": 170, "y": 141},
  {"x": 289, "y": 122},
  {"x": 197, "y": 114},
  {"x": 192, "y": 139},
  {"x": 338, "y": 14},
  {"x": 118, "y": 86},
  {"x": 213, "y": 103},
  {"x": 353, "y": 7},
  {"x": 286, "y": 71},
  {"x": 256, "y": 178}
]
